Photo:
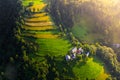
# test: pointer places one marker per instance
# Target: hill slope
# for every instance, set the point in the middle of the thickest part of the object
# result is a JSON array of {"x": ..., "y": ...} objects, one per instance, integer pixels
[{"x": 40, "y": 25}]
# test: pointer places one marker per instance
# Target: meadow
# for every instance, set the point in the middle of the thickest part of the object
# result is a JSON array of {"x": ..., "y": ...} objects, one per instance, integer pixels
[{"x": 84, "y": 30}]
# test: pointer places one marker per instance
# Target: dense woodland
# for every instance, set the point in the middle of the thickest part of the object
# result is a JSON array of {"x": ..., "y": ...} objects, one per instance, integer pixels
[
  {"x": 15, "y": 64},
  {"x": 101, "y": 16},
  {"x": 13, "y": 48}
]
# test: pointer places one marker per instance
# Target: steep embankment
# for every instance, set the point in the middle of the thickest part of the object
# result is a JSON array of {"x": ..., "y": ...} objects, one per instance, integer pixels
[{"x": 40, "y": 25}]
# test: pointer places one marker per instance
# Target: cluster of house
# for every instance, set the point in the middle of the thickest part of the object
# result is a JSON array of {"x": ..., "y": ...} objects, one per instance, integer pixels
[{"x": 75, "y": 51}]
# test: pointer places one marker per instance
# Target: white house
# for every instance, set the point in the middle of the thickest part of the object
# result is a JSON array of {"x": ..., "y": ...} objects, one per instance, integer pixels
[
  {"x": 67, "y": 57},
  {"x": 74, "y": 50}
]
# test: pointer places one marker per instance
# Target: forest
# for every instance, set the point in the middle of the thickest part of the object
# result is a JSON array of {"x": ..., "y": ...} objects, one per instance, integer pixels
[{"x": 59, "y": 40}]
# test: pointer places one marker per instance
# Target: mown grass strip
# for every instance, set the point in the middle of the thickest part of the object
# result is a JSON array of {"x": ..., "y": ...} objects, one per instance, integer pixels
[
  {"x": 44, "y": 18},
  {"x": 53, "y": 47},
  {"x": 48, "y": 35},
  {"x": 39, "y": 24},
  {"x": 40, "y": 28}
]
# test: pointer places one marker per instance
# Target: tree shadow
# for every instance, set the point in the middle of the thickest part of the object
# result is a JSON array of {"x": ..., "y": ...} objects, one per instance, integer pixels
[
  {"x": 63, "y": 67},
  {"x": 98, "y": 60}
]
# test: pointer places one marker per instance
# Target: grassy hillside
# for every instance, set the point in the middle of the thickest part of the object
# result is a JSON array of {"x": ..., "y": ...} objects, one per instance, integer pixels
[
  {"x": 49, "y": 41},
  {"x": 91, "y": 69},
  {"x": 84, "y": 29}
]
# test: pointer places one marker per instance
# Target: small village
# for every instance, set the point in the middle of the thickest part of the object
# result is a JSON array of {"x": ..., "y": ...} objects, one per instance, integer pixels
[{"x": 74, "y": 52}]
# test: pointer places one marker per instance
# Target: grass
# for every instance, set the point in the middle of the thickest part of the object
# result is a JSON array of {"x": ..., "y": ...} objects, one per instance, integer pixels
[
  {"x": 43, "y": 18},
  {"x": 37, "y": 7},
  {"x": 49, "y": 35},
  {"x": 40, "y": 23},
  {"x": 39, "y": 28},
  {"x": 79, "y": 32},
  {"x": 50, "y": 43},
  {"x": 93, "y": 69},
  {"x": 36, "y": 2},
  {"x": 39, "y": 15},
  {"x": 54, "y": 47},
  {"x": 84, "y": 29},
  {"x": 102, "y": 75},
  {"x": 90, "y": 70},
  {"x": 82, "y": 33},
  {"x": 43, "y": 32}
]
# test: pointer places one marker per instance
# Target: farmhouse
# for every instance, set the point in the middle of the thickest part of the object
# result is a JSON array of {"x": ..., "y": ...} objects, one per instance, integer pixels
[
  {"x": 80, "y": 51},
  {"x": 74, "y": 52},
  {"x": 77, "y": 50},
  {"x": 68, "y": 57}
]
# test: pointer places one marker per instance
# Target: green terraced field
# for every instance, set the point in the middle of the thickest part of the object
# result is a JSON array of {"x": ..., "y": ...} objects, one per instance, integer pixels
[
  {"x": 36, "y": 2},
  {"x": 58, "y": 46},
  {"x": 54, "y": 47}
]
